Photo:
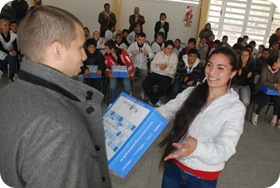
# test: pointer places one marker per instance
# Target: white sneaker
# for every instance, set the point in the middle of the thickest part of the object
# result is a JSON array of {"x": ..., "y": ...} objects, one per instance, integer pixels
[
  {"x": 274, "y": 120},
  {"x": 255, "y": 118},
  {"x": 159, "y": 103}
]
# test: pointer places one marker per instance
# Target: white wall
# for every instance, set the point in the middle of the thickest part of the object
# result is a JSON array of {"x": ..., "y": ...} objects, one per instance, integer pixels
[
  {"x": 175, "y": 13},
  {"x": 87, "y": 11}
]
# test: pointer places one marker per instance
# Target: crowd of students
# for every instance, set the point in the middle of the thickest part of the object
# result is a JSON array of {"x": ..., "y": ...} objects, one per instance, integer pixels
[{"x": 189, "y": 63}]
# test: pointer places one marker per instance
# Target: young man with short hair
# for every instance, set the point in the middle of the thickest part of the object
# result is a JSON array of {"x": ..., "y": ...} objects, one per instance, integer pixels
[{"x": 53, "y": 135}]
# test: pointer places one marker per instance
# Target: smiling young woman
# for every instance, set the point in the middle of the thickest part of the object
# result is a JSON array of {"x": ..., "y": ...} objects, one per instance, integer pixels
[{"x": 209, "y": 120}]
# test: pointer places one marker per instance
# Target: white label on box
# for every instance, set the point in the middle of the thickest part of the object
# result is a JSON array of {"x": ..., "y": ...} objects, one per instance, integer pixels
[
  {"x": 92, "y": 68},
  {"x": 120, "y": 126},
  {"x": 119, "y": 68}
]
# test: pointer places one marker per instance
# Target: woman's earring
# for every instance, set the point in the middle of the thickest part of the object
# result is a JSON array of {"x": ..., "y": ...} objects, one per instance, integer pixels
[
  {"x": 203, "y": 81},
  {"x": 229, "y": 83}
]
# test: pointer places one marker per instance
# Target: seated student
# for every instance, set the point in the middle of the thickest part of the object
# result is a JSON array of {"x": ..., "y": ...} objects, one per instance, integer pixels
[
  {"x": 270, "y": 77},
  {"x": 119, "y": 41},
  {"x": 132, "y": 35},
  {"x": 191, "y": 44},
  {"x": 109, "y": 34},
  {"x": 240, "y": 44},
  {"x": 215, "y": 46},
  {"x": 224, "y": 42},
  {"x": 87, "y": 33},
  {"x": 210, "y": 43},
  {"x": 246, "y": 38},
  {"x": 262, "y": 61},
  {"x": 100, "y": 41},
  {"x": 8, "y": 49},
  {"x": 274, "y": 50},
  {"x": 158, "y": 45},
  {"x": 260, "y": 49},
  {"x": 163, "y": 69},
  {"x": 14, "y": 26},
  {"x": 115, "y": 56},
  {"x": 245, "y": 76},
  {"x": 177, "y": 47},
  {"x": 255, "y": 50},
  {"x": 125, "y": 33},
  {"x": 189, "y": 71},
  {"x": 94, "y": 57},
  {"x": 140, "y": 51},
  {"x": 202, "y": 49}
]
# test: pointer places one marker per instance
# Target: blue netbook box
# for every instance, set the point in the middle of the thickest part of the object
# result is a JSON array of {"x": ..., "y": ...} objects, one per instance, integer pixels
[
  {"x": 119, "y": 71},
  {"x": 130, "y": 127},
  {"x": 269, "y": 91},
  {"x": 93, "y": 70}
]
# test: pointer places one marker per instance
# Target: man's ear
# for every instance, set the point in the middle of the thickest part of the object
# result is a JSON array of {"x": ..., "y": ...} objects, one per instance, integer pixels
[{"x": 57, "y": 50}]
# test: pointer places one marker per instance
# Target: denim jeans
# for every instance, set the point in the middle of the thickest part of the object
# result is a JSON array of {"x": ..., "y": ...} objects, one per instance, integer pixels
[
  {"x": 244, "y": 94},
  {"x": 12, "y": 61},
  {"x": 174, "y": 177},
  {"x": 94, "y": 82},
  {"x": 113, "y": 87}
]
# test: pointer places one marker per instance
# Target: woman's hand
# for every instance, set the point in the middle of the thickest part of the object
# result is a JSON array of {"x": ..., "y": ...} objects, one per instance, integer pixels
[
  {"x": 185, "y": 149},
  {"x": 13, "y": 53},
  {"x": 249, "y": 75}
]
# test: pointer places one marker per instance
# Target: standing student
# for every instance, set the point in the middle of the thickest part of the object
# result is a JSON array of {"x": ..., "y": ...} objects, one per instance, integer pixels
[
  {"x": 209, "y": 120},
  {"x": 105, "y": 18},
  {"x": 136, "y": 18},
  {"x": 61, "y": 142},
  {"x": 162, "y": 26}
]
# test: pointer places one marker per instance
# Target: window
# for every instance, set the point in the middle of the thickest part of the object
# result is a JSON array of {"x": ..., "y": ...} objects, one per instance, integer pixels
[
  {"x": 256, "y": 18},
  {"x": 189, "y": 2}
]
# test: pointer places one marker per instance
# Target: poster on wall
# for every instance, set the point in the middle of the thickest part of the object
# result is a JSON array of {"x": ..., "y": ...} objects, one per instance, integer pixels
[{"x": 188, "y": 17}]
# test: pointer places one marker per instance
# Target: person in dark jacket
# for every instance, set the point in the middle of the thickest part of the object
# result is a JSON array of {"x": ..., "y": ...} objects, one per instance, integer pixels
[
  {"x": 94, "y": 60},
  {"x": 105, "y": 18},
  {"x": 245, "y": 76},
  {"x": 21, "y": 8},
  {"x": 162, "y": 26},
  {"x": 275, "y": 37},
  {"x": 189, "y": 72},
  {"x": 61, "y": 142}
]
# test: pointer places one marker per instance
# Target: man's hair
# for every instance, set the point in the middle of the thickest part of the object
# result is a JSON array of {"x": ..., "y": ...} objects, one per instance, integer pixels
[
  {"x": 110, "y": 44},
  {"x": 13, "y": 22},
  {"x": 193, "y": 51},
  {"x": 245, "y": 36},
  {"x": 106, "y": 4},
  {"x": 125, "y": 30},
  {"x": 90, "y": 41},
  {"x": 192, "y": 40},
  {"x": 119, "y": 35},
  {"x": 177, "y": 40},
  {"x": 273, "y": 60},
  {"x": 43, "y": 26},
  {"x": 169, "y": 42},
  {"x": 266, "y": 49},
  {"x": 141, "y": 34}
]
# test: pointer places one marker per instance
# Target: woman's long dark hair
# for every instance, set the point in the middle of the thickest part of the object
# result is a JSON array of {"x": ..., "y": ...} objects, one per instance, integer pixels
[{"x": 191, "y": 107}]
